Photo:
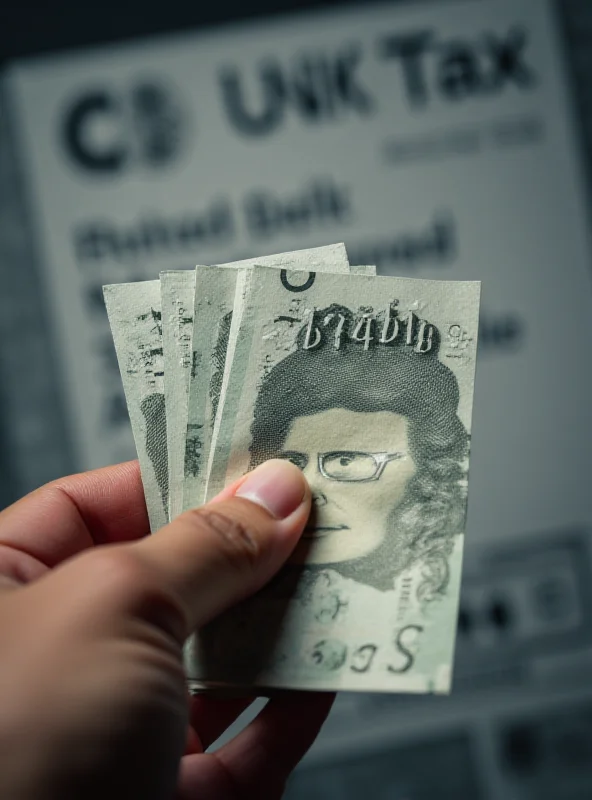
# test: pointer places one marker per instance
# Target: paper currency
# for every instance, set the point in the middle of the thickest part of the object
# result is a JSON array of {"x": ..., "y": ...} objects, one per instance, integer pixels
[
  {"x": 135, "y": 317},
  {"x": 367, "y": 385},
  {"x": 213, "y": 337},
  {"x": 177, "y": 289},
  {"x": 215, "y": 290}
]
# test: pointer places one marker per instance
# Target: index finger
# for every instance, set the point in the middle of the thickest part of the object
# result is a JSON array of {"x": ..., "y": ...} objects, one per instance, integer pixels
[
  {"x": 69, "y": 515},
  {"x": 260, "y": 759}
]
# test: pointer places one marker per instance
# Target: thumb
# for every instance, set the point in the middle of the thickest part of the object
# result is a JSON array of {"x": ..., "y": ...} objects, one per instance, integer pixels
[{"x": 211, "y": 557}]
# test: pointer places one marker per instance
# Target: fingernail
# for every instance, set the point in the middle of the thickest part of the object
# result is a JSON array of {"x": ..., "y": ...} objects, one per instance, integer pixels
[{"x": 277, "y": 485}]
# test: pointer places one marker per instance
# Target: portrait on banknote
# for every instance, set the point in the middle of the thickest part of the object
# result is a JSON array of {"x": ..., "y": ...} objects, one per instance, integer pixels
[{"x": 373, "y": 424}]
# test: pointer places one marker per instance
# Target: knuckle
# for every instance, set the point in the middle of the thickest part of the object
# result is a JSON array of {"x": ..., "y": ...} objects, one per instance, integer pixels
[{"x": 237, "y": 541}]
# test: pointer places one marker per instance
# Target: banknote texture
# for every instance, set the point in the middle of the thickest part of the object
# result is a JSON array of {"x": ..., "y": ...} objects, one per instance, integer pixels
[
  {"x": 367, "y": 385},
  {"x": 177, "y": 289},
  {"x": 369, "y": 270},
  {"x": 215, "y": 290},
  {"x": 135, "y": 317}
]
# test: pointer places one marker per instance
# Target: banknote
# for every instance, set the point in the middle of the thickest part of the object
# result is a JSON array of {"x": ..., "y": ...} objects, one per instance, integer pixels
[
  {"x": 215, "y": 291},
  {"x": 177, "y": 291},
  {"x": 213, "y": 337},
  {"x": 366, "y": 384},
  {"x": 135, "y": 317}
]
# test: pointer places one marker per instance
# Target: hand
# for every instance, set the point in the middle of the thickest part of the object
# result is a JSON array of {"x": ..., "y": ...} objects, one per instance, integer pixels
[{"x": 93, "y": 615}]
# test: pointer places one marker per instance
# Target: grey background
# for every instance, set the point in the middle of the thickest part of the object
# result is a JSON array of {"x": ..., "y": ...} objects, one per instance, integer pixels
[{"x": 520, "y": 722}]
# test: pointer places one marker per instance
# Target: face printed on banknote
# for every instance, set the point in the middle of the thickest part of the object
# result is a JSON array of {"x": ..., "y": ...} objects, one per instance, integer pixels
[
  {"x": 366, "y": 385},
  {"x": 374, "y": 426},
  {"x": 345, "y": 524}
]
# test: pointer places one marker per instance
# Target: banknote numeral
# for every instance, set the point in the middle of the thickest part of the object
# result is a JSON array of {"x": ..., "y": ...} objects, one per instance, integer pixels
[{"x": 370, "y": 328}]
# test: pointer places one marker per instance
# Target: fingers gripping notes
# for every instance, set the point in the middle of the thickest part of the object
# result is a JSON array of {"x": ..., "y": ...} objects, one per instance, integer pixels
[
  {"x": 96, "y": 702},
  {"x": 361, "y": 383}
]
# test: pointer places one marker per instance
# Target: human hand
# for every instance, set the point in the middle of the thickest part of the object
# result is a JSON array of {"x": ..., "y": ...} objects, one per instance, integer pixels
[{"x": 93, "y": 616}]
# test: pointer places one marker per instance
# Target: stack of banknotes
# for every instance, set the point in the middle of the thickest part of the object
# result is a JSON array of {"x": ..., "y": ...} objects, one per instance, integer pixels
[{"x": 366, "y": 384}]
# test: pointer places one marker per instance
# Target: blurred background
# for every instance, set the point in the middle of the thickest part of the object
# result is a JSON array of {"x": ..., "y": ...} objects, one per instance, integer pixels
[{"x": 438, "y": 140}]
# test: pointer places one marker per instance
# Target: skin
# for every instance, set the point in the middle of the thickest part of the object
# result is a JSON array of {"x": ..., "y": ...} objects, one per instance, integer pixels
[
  {"x": 93, "y": 616},
  {"x": 350, "y": 520}
]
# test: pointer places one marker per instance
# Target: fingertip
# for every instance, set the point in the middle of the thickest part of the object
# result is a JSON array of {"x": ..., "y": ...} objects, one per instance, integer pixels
[{"x": 276, "y": 485}]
